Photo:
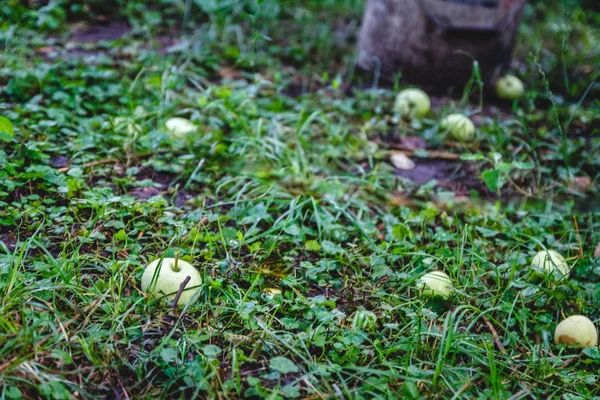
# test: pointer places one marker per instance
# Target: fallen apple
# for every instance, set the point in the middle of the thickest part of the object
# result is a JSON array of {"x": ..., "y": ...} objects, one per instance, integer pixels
[
  {"x": 435, "y": 283},
  {"x": 163, "y": 277},
  {"x": 461, "y": 127},
  {"x": 550, "y": 261},
  {"x": 412, "y": 103},
  {"x": 509, "y": 87},
  {"x": 364, "y": 320},
  {"x": 270, "y": 293},
  {"x": 180, "y": 127},
  {"x": 132, "y": 128},
  {"x": 577, "y": 331}
]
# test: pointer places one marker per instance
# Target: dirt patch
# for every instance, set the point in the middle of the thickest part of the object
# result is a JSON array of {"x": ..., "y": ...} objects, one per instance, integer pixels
[
  {"x": 8, "y": 240},
  {"x": 145, "y": 193},
  {"x": 109, "y": 31},
  {"x": 163, "y": 181},
  {"x": 59, "y": 162},
  {"x": 162, "y": 178},
  {"x": 460, "y": 177},
  {"x": 181, "y": 198},
  {"x": 426, "y": 170},
  {"x": 165, "y": 42},
  {"x": 85, "y": 38}
]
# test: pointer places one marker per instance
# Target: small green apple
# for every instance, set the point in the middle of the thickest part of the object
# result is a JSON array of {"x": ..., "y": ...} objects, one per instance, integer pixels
[
  {"x": 132, "y": 128},
  {"x": 180, "y": 127},
  {"x": 139, "y": 112},
  {"x": 549, "y": 261},
  {"x": 364, "y": 320},
  {"x": 509, "y": 87},
  {"x": 435, "y": 283},
  {"x": 461, "y": 127},
  {"x": 163, "y": 277},
  {"x": 412, "y": 103},
  {"x": 577, "y": 331}
]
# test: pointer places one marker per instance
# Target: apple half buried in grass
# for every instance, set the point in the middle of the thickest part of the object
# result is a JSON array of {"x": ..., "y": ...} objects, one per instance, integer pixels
[
  {"x": 270, "y": 293},
  {"x": 461, "y": 127},
  {"x": 180, "y": 127},
  {"x": 550, "y": 261},
  {"x": 364, "y": 320},
  {"x": 509, "y": 87},
  {"x": 435, "y": 283},
  {"x": 163, "y": 277},
  {"x": 577, "y": 331},
  {"x": 412, "y": 103},
  {"x": 132, "y": 128}
]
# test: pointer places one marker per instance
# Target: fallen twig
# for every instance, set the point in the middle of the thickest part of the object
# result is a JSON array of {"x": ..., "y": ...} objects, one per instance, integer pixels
[
  {"x": 90, "y": 164},
  {"x": 180, "y": 291},
  {"x": 464, "y": 387},
  {"x": 495, "y": 335},
  {"x": 519, "y": 189}
]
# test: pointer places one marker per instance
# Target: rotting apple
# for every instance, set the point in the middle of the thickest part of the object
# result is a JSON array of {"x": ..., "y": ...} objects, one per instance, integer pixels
[{"x": 577, "y": 331}]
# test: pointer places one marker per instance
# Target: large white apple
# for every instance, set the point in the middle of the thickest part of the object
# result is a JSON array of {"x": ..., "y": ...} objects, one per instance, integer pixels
[
  {"x": 550, "y": 260},
  {"x": 180, "y": 127},
  {"x": 435, "y": 283},
  {"x": 163, "y": 277},
  {"x": 509, "y": 87},
  {"x": 577, "y": 331},
  {"x": 412, "y": 103},
  {"x": 461, "y": 127}
]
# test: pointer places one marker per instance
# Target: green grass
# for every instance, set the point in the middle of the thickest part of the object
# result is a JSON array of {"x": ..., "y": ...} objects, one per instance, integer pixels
[{"x": 287, "y": 185}]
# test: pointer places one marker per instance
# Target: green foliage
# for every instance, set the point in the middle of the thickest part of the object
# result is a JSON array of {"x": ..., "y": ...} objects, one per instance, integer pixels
[
  {"x": 7, "y": 132},
  {"x": 308, "y": 240}
]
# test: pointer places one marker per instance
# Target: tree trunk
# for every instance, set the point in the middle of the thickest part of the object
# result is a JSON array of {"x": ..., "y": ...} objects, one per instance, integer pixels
[{"x": 436, "y": 41}]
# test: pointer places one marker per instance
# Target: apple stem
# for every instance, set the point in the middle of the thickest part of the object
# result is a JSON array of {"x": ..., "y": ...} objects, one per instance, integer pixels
[{"x": 175, "y": 267}]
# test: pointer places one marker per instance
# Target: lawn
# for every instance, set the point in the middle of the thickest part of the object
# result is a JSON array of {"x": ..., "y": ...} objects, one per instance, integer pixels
[{"x": 309, "y": 243}]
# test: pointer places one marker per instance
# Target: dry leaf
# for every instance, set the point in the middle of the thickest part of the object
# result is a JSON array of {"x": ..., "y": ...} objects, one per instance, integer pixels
[
  {"x": 580, "y": 183},
  {"x": 401, "y": 161}
]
